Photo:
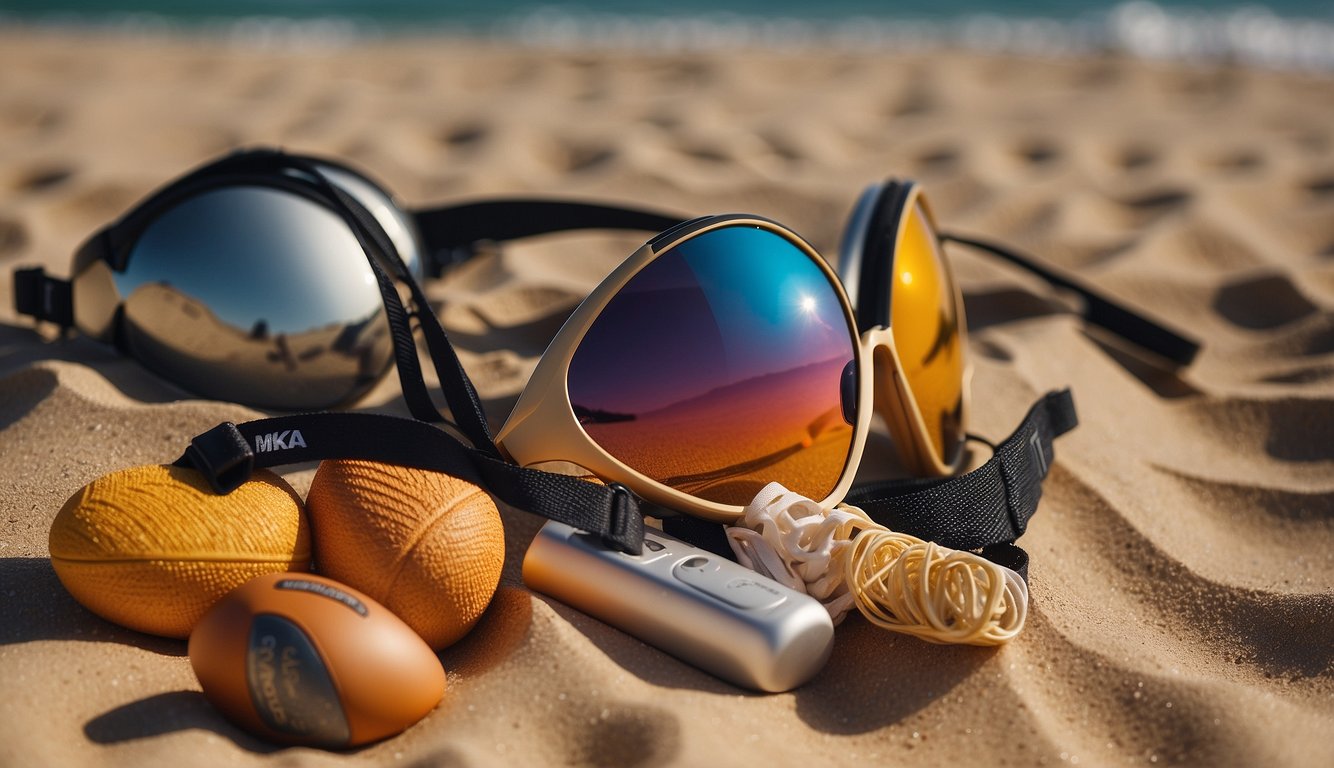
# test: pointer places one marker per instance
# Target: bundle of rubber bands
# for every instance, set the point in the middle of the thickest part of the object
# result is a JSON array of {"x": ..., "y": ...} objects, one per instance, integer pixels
[{"x": 843, "y": 559}]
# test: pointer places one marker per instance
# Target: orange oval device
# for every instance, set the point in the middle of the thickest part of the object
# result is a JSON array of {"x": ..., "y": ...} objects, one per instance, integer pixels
[{"x": 302, "y": 659}]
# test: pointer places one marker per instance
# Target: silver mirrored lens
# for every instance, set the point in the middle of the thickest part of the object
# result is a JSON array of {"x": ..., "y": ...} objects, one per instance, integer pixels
[
  {"x": 395, "y": 221},
  {"x": 255, "y": 295}
]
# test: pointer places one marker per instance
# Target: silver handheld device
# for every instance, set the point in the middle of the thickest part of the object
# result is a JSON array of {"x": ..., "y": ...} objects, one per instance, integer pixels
[{"x": 700, "y": 607}]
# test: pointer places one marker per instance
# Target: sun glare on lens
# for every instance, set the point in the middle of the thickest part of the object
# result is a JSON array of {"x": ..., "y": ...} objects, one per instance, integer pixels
[{"x": 808, "y": 305}]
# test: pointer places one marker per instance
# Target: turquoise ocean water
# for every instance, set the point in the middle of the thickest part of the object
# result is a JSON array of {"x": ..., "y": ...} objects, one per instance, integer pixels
[{"x": 1281, "y": 33}]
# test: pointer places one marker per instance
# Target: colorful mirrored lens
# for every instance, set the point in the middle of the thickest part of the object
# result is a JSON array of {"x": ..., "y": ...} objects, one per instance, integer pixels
[
  {"x": 718, "y": 368},
  {"x": 924, "y": 317},
  {"x": 255, "y": 295}
]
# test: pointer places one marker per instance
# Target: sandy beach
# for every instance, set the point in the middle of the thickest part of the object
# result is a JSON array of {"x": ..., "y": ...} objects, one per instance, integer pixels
[{"x": 1183, "y": 554}]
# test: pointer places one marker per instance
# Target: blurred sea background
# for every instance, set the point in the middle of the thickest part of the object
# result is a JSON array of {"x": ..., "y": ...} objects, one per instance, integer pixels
[{"x": 1286, "y": 34}]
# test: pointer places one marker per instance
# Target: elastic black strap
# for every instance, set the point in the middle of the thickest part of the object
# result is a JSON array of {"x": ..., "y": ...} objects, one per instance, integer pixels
[
  {"x": 228, "y": 453},
  {"x": 1131, "y": 325},
  {"x": 450, "y": 233},
  {"x": 990, "y": 505},
  {"x": 460, "y": 395},
  {"x": 984, "y": 510},
  {"x": 43, "y": 297}
]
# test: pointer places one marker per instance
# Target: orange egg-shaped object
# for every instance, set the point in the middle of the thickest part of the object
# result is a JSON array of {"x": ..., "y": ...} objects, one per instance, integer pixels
[
  {"x": 427, "y": 545},
  {"x": 302, "y": 659},
  {"x": 153, "y": 547}
]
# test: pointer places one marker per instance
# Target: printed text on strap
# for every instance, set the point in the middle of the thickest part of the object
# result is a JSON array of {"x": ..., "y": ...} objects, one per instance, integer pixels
[{"x": 228, "y": 453}]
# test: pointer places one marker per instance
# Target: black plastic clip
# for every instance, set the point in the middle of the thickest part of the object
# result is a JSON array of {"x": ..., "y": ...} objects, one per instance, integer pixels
[
  {"x": 626, "y": 524},
  {"x": 46, "y": 298},
  {"x": 223, "y": 456}
]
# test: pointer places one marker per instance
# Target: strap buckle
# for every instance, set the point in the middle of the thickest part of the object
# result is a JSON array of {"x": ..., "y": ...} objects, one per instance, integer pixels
[
  {"x": 625, "y": 524},
  {"x": 42, "y": 297},
  {"x": 223, "y": 456}
]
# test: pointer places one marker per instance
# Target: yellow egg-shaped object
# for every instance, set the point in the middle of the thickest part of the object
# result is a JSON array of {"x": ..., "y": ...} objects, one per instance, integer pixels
[{"x": 153, "y": 547}]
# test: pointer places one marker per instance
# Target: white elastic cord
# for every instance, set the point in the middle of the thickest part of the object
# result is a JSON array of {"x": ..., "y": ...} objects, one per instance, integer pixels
[{"x": 843, "y": 558}]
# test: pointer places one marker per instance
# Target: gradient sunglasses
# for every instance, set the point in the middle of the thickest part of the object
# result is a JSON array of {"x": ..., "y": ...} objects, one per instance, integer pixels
[
  {"x": 725, "y": 354},
  {"x": 248, "y": 279}
]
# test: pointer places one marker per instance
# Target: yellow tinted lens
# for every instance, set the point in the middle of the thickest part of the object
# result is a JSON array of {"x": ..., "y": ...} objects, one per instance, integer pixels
[{"x": 925, "y": 321}]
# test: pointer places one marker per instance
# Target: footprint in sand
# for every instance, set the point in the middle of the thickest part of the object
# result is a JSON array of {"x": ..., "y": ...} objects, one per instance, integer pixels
[
  {"x": 634, "y": 736},
  {"x": 1315, "y": 141},
  {"x": 1289, "y": 429},
  {"x": 1038, "y": 154},
  {"x": 937, "y": 160},
  {"x": 13, "y": 236},
  {"x": 41, "y": 178},
  {"x": 1238, "y": 161},
  {"x": 782, "y": 148},
  {"x": 666, "y": 120},
  {"x": 1152, "y": 205},
  {"x": 1136, "y": 157},
  {"x": 704, "y": 152},
  {"x": 1262, "y": 302},
  {"x": 467, "y": 135},
  {"x": 1320, "y": 187}
]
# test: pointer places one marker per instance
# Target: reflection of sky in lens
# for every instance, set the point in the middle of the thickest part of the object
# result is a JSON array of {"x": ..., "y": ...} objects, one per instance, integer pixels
[
  {"x": 253, "y": 254},
  {"x": 727, "y": 306},
  {"x": 718, "y": 368}
]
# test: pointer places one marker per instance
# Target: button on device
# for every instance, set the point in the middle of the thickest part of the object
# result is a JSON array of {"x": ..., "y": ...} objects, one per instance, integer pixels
[
  {"x": 745, "y": 592},
  {"x": 652, "y": 546},
  {"x": 710, "y": 577}
]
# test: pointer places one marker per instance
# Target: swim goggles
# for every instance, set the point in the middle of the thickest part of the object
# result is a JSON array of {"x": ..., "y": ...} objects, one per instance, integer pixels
[
  {"x": 722, "y": 355},
  {"x": 243, "y": 280}
]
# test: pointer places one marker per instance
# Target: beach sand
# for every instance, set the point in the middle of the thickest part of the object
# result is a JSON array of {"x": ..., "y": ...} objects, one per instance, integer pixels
[{"x": 1183, "y": 554}]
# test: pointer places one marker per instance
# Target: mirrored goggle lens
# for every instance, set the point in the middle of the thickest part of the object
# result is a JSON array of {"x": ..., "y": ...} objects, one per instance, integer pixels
[
  {"x": 925, "y": 320},
  {"x": 255, "y": 295},
  {"x": 720, "y": 367},
  {"x": 396, "y": 222}
]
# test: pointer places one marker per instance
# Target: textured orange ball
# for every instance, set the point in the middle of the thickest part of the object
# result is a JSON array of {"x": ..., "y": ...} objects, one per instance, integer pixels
[
  {"x": 152, "y": 548},
  {"x": 302, "y": 659},
  {"x": 425, "y": 544}
]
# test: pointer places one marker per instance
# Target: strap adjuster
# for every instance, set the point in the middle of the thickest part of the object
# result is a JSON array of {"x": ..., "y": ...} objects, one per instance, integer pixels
[
  {"x": 625, "y": 524},
  {"x": 223, "y": 456},
  {"x": 46, "y": 298}
]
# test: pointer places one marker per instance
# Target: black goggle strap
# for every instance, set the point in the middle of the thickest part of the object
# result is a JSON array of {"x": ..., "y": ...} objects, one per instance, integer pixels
[
  {"x": 493, "y": 220},
  {"x": 450, "y": 234},
  {"x": 460, "y": 395},
  {"x": 227, "y": 454},
  {"x": 987, "y": 508},
  {"x": 1131, "y": 325}
]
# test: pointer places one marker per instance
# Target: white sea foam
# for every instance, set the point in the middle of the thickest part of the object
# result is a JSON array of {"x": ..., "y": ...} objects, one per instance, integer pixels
[{"x": 1251, "y": 35}]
